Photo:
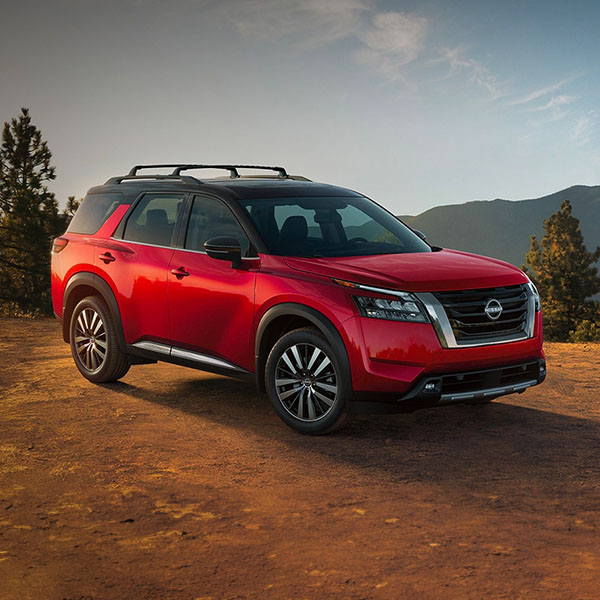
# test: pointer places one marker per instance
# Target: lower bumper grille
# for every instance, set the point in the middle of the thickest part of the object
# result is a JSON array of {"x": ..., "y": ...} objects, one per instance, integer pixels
[
  {"x": 488, "y": 382},
  {"x": 484, "y": 383}
]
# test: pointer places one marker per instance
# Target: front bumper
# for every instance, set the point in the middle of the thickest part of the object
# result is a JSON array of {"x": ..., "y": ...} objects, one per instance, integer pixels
[{"x": 457, "y": 387}]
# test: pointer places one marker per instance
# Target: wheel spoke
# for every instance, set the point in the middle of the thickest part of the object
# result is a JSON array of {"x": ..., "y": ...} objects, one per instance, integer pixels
[
  {"x": 287, "y": 394},
  {"x": 84, "y": 314},
  {"x": 325, "y": 399},
  {"x": 326, "y": 386},
  {"x": 99, "y": 325},
  {"x": 300, "y": 412},
  {"x": 316, "y": 353},
  {"x": 93, "y": 358},
  {"x": 288, "y": 362},
  {"x": 101, "y": 343},
  {"x": 80, "y": 323},
  {"x": 311, "y": 406},
  {"x": 294, "y": 350},
  {"x": 100, "y": 354},
  {"x": 323, "y": 364},
  {"x": 280, "y": 382},
  {"x": 93, "y": 319}
]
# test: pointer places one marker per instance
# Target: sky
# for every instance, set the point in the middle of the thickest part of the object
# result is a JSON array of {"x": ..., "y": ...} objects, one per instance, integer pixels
[{"x": 413, "y": 103}]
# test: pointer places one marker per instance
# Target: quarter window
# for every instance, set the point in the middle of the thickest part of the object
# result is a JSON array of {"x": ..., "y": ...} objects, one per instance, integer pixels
[
  {"x": 94, "y": 211},
  {"x": 211, "y": 218},
  {"x": 153, "y": 220}
]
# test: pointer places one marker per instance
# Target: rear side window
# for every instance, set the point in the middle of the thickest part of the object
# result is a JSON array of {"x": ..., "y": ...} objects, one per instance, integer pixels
[
  {"x": 153, "y": 220},
  {"x": 94, "y": 211}
]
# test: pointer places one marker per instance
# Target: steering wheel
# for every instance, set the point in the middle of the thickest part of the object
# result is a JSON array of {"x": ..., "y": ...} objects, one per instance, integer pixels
[{"x": 358, "y": 240}]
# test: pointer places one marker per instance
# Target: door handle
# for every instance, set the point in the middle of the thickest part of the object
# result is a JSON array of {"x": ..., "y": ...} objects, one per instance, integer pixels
[
  {"x": 107, "y": 257},
  {"x": 179, "y": 273}
]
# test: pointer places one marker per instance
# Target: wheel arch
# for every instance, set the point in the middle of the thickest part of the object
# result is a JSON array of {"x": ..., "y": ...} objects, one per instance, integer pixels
[
  {"x": 286, "y": 317},
  {"x": 85, "y": 284}
]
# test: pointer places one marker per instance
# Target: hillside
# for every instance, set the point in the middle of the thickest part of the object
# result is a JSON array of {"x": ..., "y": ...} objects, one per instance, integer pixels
[{"x": 501, "y": 228}]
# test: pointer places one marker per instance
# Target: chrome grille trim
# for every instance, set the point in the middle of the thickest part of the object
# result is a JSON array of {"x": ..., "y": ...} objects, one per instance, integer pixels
[{"x": 443, "y": 328}]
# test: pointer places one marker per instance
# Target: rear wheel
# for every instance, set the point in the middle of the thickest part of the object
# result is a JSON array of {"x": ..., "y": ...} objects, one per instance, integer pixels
[
  {"x": 306, "y": 382},
  {"x": 94, "y": 342}
]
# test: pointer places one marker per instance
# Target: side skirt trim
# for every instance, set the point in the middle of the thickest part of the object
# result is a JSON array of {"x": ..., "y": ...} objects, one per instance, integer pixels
[{"x": 188, "y": 358}]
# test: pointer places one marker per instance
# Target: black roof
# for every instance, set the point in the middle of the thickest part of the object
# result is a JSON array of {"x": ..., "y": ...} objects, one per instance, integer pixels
[{"x": 236, "y": 187}]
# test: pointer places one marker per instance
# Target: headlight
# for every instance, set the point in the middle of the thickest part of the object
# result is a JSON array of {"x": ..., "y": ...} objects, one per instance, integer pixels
[
  {"x": 405, "y": 308},
  {"x": 535, "y": 294}
]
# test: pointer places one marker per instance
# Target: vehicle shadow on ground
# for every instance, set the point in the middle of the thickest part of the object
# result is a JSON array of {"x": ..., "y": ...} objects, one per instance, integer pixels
[{"x": 490, "y": 443}]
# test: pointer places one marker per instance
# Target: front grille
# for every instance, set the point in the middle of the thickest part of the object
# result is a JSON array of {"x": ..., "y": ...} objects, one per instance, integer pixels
[
  {"x": 491, "y": 378},
  {"x": 465, "y": 310}
]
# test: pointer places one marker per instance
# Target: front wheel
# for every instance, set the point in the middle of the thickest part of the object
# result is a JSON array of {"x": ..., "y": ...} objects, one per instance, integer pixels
[
  {"x": 307, "y": 383},
  {"x": 94, "y": 343}
]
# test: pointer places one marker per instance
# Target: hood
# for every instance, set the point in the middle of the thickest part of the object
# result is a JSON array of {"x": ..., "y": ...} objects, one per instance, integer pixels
[{"x": 418, "y": 272}]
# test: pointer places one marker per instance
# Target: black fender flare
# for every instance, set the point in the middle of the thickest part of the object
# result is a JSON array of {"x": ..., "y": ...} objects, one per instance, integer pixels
[
  {"x": 104, "y": 291},
  {"x": 293, "y": 309}
]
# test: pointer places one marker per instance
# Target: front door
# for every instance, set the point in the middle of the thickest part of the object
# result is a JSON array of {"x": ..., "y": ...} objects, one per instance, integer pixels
[{"x": 211, "y": 304}]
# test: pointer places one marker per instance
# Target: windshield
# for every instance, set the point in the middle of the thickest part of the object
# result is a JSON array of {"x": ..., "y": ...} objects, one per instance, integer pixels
[{"x": 330, "y": 226}]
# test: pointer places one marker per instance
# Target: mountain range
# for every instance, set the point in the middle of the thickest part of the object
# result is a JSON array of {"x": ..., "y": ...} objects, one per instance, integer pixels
[{"x": 502, "y": 228}]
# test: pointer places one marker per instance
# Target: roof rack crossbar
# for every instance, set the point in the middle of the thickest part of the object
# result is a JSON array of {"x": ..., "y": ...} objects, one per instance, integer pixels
[
  {"x": 137, "y": 168},
  {"x": 233, "y": 169}
]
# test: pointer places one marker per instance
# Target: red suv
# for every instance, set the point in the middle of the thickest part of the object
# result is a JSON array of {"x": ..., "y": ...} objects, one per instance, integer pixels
[{"x": 317, "y": 294}]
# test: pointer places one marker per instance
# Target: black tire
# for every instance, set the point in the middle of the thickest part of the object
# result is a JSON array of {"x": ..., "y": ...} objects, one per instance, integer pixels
[
  {"x": 94, "y": 342},
  {"x": 302, "y": 392}
]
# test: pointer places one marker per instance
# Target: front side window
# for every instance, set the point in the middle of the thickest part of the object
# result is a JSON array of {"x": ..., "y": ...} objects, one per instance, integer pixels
[
  {"x": 153, "y": 220},
  {"x": 212, "y": 218},
  {"x": 330, "y": 226}
]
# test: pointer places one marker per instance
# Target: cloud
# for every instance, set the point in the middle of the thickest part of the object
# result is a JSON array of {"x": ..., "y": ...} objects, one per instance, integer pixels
[
  {"x": 478, "y": 73},
  {"x": 555, "y": 102},
  {"x": 386, "y": 42},
  {"x": 318, "y": 23},
  {"x": 393, "y": 40},
  {"x": 583, "y": 127},
  {"x": 541, "y": 92},
  {"x": 555, "y": 106}
]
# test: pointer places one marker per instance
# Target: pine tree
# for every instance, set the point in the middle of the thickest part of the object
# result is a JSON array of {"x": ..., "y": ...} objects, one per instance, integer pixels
[
  {"x": 29, "y": 218},
  {"x": 563, "y": 271}
]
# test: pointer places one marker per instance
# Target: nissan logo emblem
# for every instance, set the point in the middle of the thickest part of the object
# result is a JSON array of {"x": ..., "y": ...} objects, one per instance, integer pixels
[{"x": 493, "y": 309}]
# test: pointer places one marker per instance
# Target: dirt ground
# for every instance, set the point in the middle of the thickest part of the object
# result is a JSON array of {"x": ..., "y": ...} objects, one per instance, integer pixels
[{"x": 178, "y": 484}]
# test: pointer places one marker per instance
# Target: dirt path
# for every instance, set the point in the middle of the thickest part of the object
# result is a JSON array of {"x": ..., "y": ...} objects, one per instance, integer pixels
[{"x": 177, "y": 484}]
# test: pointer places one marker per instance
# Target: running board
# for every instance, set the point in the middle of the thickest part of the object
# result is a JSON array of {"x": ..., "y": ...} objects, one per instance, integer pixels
[{"x": 188, "y": 358}]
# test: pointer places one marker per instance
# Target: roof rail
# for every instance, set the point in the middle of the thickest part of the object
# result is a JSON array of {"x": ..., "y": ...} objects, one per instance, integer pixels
[
  {"x": 233, "y": 169},
  {"x": 182, "y": 178}
]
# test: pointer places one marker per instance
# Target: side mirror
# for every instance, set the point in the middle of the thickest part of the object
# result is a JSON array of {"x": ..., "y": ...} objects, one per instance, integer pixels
[
  {"x": 420, "y": 234},
  {"x": 224, "y": 248}
]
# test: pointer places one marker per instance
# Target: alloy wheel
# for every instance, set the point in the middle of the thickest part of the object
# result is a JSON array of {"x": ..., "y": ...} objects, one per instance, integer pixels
[
  {"x": 90, "y": 339},
  {"x": 306, "y": 382}
]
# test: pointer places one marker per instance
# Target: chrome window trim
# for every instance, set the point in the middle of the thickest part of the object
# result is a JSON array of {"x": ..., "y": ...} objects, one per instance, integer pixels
[
  {"x": 122, "y": 240},
  {"x": 173, "y": 248}
]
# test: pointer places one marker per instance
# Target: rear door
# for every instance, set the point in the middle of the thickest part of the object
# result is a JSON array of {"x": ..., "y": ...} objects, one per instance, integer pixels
[
  {"x": 211, "y": 304},
  {"x": 137, "y": 266}
]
